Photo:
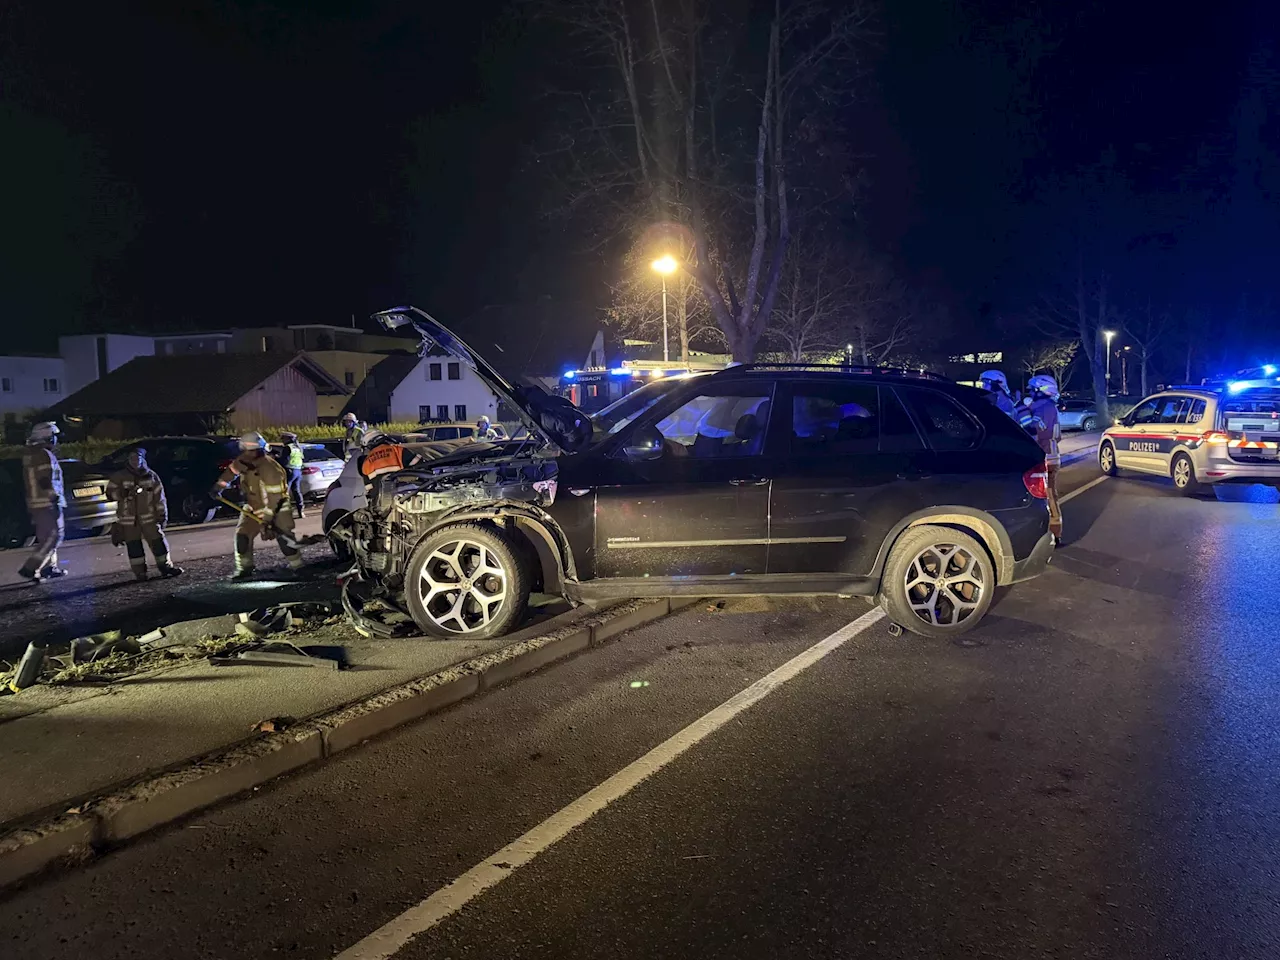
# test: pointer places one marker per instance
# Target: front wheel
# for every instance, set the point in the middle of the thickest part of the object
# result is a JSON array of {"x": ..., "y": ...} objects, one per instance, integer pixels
[
  {"x": 195, "y": 508},
  {"x": 938, "y": 582},
  {"x": 1089, "y": 424},
  {"x": 1183, "y": 472},
  {"x": 1107, "y": 459},
  {"x": 467, "y": 580}
]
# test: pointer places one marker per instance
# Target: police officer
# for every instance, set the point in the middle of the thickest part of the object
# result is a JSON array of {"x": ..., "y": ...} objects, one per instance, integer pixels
[
  {"x": 484, "y": 429},
  {"x": 293, "y": 464},
  {"x": 1039, "y": 417},
  {"x": 42, "y": 478},
  {"x": 141, "y": 513},
  {"x": 265, "y": 487},
  {"x": 353, "y": 430},
  {"x": 997, "y": 384}
]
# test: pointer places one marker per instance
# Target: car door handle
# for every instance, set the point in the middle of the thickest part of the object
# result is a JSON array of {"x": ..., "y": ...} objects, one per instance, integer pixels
[{"x": 750, "y": 482}]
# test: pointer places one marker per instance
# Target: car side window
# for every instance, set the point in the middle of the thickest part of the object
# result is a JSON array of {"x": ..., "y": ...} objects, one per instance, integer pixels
[
  {"x": 1148, "y": 412},
  {"x": 446, "y": 433},
  {"x": 1192, "y": 412},
  {"x": 837, "y": 418},
  {"x": 946, "y": 425},
  {"x": 1171, "y": 408},
  {"x": 707, "y": 426}
]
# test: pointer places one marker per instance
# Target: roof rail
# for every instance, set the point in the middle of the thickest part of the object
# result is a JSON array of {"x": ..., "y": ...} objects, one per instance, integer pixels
[{"x": 844, "y": 368}]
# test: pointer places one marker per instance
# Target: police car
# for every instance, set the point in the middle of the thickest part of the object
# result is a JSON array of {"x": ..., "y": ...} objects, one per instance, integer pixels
[{"x": 1201, "y": 435}]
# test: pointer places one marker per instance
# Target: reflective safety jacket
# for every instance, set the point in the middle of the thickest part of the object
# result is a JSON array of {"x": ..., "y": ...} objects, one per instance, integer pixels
[
  {"x": 262, "y": 481},
  {"x": 382, "y": 459},
  {"x": 351, "y": 441},
  {"x": 42, "y": 477},
  {"x": 295, "y": 456},
  {"x": 1040, "y": 419},
  {"x": 139, "y": 498}
]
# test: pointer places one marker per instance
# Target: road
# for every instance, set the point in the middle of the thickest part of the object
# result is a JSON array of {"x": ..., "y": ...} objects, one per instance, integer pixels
[
  {"x": 1093, "y": 773},
  {"x": 95, "y": 555}
]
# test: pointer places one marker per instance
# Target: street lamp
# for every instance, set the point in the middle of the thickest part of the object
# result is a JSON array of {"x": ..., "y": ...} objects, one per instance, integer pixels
[
  {"x": 1108, "y": 334},
  {"x": 665, "y": 265}
]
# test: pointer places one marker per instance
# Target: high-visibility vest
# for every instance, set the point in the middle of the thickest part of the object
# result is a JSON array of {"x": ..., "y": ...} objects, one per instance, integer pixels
[
  {"x": 295, "y": 456},
  {"x": 387, "y": 458}
]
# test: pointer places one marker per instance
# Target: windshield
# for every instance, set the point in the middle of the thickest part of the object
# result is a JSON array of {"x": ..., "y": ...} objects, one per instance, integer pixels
[{"x": 607, "y": 422}]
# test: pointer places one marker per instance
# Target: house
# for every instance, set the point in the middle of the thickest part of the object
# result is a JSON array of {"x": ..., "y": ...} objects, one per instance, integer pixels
[
  {"x": 29, "y": 384},
  {"x": 200, "y": 393},
  {"x": 419, "y": 389}
]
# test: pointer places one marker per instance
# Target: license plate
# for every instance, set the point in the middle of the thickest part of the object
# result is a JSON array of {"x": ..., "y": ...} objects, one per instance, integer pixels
[
  {"x": 330, "y": 473},
  {"x": 85, "y": 493}
]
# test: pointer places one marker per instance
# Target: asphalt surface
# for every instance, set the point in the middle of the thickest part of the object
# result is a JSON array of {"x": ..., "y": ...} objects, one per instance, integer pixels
[{"x": 1094, "y": 772}]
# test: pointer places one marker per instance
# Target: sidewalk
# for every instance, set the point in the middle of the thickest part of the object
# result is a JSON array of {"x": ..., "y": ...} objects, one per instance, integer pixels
[
  {"x": 1076, "y": 446},
  {"x": 62, "y": 744}
]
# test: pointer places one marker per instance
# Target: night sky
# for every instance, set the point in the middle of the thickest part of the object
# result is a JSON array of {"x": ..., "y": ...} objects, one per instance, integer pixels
[{"x": 234, "y": 163}]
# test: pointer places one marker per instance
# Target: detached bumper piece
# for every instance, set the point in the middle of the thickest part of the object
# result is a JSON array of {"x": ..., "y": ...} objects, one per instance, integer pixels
[{"x": 1036, "y": 562}]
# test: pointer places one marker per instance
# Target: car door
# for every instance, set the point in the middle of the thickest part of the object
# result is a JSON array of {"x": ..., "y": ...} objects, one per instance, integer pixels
[
  {"x": 1155, "y": 431},
  {"x": 847, "y": 462},
  {"x": 686, "y": 491},
  {"x": 1131, "y": 442}
]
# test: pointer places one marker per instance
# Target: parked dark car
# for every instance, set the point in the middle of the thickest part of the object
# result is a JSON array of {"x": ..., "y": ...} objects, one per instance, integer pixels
[
  {"x": 88, "y": 511},
  {"x": 188, "y": 467},
  {"x": 753, "y": 480}
]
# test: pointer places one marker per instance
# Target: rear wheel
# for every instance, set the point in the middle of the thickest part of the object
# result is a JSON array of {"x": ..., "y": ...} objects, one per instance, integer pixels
[
  {"x": 195, "y": 508},
  {"x": 1107, "y": 459},
  {"x": 938, "y": 582},
  {"x": 467, "y": 580},
  {"x": 1183, "y": 472}
]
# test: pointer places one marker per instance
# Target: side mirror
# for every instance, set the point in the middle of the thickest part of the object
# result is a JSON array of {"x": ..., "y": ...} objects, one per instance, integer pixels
[{"x": 645, "y": 444}]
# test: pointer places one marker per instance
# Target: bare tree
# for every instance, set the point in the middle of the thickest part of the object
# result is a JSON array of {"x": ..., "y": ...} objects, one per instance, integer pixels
[
  {"x": 636, "y": 308},
  {"x": 1056, "y": 357},
  {"x": 1083, "y": 315},
  {"x": 685, "y": 120},
  {"x": 1145, "y": 330}
]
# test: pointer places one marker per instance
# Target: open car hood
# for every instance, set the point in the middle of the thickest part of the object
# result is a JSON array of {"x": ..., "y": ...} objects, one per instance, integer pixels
[{"x": 552, "y": 419}]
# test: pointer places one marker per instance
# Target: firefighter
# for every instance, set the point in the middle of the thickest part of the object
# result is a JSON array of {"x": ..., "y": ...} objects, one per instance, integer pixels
[
  {"x": 1039, "y": 417},
  {"x": 293, "y": 464},
  {"x": 141, "y": 513},
  {"x": 484, "y": 429},
  {"x": 265, "y": 487},
  {"x": 997, "y": 384},
  {"x": 42, "y": 477},
  {"x": 353, "y": 431}
]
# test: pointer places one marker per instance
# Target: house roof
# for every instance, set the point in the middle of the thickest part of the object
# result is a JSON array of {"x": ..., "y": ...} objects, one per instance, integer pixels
[
  {"x": 190, "y": 383},
  {"x": 380, "y": 382},
  {"x": 540, "y": 339}
]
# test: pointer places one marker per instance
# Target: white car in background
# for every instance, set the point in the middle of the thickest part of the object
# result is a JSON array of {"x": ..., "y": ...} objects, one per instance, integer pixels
[{"x": 320, "y": 468}]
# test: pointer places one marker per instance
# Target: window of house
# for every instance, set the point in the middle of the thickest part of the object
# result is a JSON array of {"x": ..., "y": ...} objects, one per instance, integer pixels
[
  {"x": 51, "y": 385},
  {"x": 459, "y": 411},
  {"x": 455, "y": 371},
  {"x": 349, "y": 378},
  {"x": 442, "y": 411},
  {"x": 433, "y": 371},
  {"x": 424, "y": 412},
  {"x": 6, "y": 384}
]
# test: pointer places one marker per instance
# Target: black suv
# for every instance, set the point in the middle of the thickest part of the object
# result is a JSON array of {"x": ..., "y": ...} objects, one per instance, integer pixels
[
  {"x": 188, "y": 468},
  {"x": 756, "y": 479}
]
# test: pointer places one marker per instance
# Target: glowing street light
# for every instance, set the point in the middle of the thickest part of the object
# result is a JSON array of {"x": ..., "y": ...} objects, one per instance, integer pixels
[{"x": 665, "y": 265}]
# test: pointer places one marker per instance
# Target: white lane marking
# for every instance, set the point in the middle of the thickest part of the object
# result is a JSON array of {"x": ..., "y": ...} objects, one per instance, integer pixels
[
  {"x": 389, "y": 939},
  {"x": 1079, "y": 490}
]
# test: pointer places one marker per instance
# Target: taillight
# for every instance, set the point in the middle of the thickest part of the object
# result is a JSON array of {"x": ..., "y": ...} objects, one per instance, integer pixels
[
  {"x": 310, "y": 470},
  {"x": 1036, "y": 480},
  {"x": 223, "y": 464},
  {"x": 1215, "y": 436}
]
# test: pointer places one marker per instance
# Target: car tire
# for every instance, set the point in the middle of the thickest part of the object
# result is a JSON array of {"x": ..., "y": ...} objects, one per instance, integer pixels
[
  {"x": 1107, "y": 460},
  {"x": 938, "y": 582},
  {"x": 340, "y": 549},
  {"x": 491, "y": 603},
  {"x": 1183, "y": 473},
  {"x": 15, "y": 533},
  {"x": 195, "y": 508},
  {"x": 1089, "y": 424}
]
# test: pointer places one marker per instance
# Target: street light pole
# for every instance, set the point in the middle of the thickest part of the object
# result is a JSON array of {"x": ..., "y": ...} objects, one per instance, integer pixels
[
  {"x": 666, "y": 354},
  {"x": 1108, "y": 334}
]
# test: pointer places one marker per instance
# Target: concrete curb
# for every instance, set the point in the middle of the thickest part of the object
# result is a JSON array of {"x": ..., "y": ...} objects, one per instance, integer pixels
[{"x": 159, "y": 799}]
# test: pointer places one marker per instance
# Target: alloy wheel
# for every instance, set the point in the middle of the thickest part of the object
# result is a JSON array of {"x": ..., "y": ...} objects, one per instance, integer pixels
[
  {"x": 1107, "y": 459},
  {"x": 463, "y": 585},
  {"x": 944, "y": 584},
  {"x": 1181, "y": 472}
]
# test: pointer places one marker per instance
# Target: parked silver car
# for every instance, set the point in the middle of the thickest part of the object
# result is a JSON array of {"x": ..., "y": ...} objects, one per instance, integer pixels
[
  {"x": 320, "y": 468},
  {"x": 1078, "y": 415}
]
